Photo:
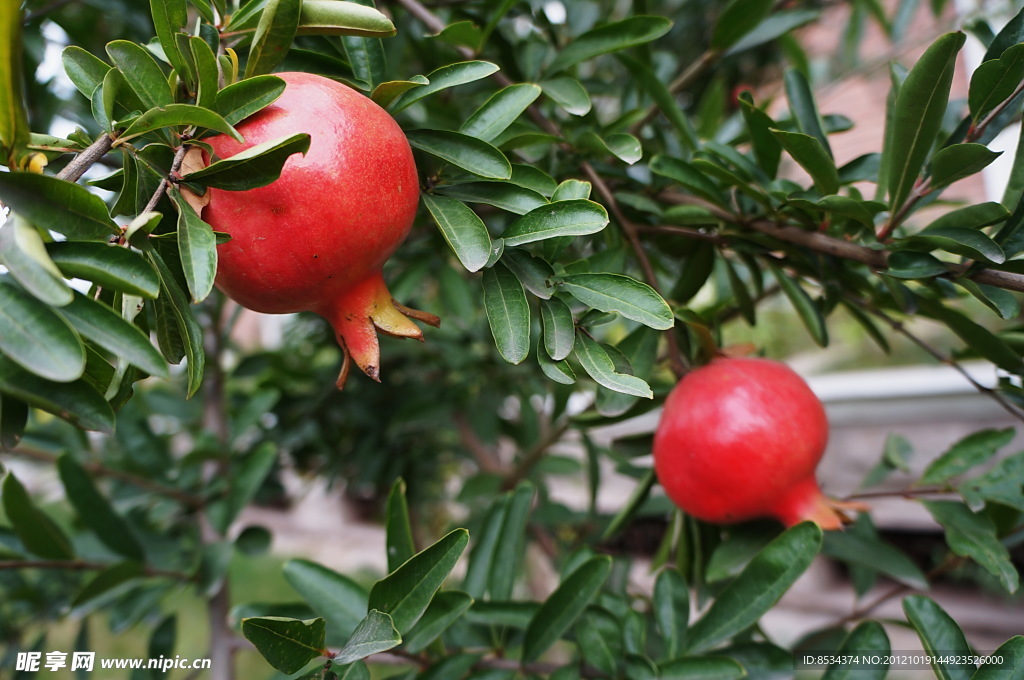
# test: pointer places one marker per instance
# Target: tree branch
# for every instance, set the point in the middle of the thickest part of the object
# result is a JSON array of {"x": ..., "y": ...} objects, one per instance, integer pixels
[
  {"x": 84, "y": 565},
  {"x": 74, "y": 170}
]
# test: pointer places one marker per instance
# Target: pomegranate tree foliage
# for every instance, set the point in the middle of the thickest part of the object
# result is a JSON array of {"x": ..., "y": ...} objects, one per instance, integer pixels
[{"x": 597, "y": 215}]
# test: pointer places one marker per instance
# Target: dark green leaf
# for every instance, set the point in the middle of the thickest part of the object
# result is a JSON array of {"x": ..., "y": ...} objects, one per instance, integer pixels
[
  {"x": 336, "y": 597},
  {"x": 561, "y": 609},
  {"x": 979, "y": 338},
  {"x": 84, "y": 69},
  {"x": 38, "y": 533},
  {"x": 917, "y": 117},
  {"x": 176, "y": 309},
  {"x": 76, "y": 402},
  {"x": 558, "y": 327},
  {"x": 108, "y": 265},
  {"x": 23, "y": 252},
  {"x": 662, "y": 96},
  {"x": 612, "y": 37},
  {"x": 37, "y": 339},
  {"x": 118, "y": 576},
  {"x": 1001, "y": 484},
  {"x": 960, "y": 160},
  {"x": 174, "y": 115},
  {"x": 197, "y": 247},
  {"x": 386, "y": 93},
  {"x": 875, "y": 555},
  {"x": 973, "y": 217},
  {"x": 13, "y": 419},
  {"x": 508, "y": 313},
  {"x": 287, "y": 644},
  {"x": 617, "y": 293},
  {"x": 972, "y": 450},
  {"x": 812, "y": 157},
  {"x": 481, "y": 557},
  {"x": 974, "y": 535},
  {"x": 905, "y": 264},
  {"x": 596, "y": 634},
  {"x": 804, "y": 110},
  {"x": 757, "y": 588},
  {"x": 1001, "y": 301},
  {"x": 577, "y": 217},
  {"x": 51, "y": 203},
  {"x": 406, "y": 592},
  {"x": 257, "y": 166},
  {"x": 737, "y": 19},
  {"x": 774, "y": 27},
  {"x": 805, "y": 307},
  {"x": 465, "y": 233},
  {"x": 1012, "y": 653},
  {"x": 274, "y": 34},
  {"x": 623, "y": 146},
  {"x": 445, "y": 77},
  {"x": 870, "y": 645},
  {"x": 514, "y": 199},
  {"x": 96, "y": 322},
  {"x": 708, "y": 667},
  {"x": 469, "y": 153},
  {"x": 995, "y": 81},
  {"x": 141, "y": 72},
  {"x": 366, "y": 55},
  {"x": 559, "y": 371},
  {"x": 599, "y": 366},
  {"x": 500, "y": 111},
  {"x": 533, "y": 272},
  {"x": 960, "y": 240},
  {"x": 444, "y": 610},
  {"x": 510, "y": 549},
  {"x": 376, "y": 633},
  {"x": 400, "y": 545},
  {"x": 170, "y": 18},
  {"x": 671, "y": 609},
  {"x": 941, "y": 637},
  {"x": 767, "y": 149},
  {"x": 238, "y": 101},
  {"x": 96, "y": 512},
  {"x": 568, "y": 93},
  {"x": 687, "y": 175},
  {"x": 462, "y": 34},
  {"x": 246, "y": 479}
]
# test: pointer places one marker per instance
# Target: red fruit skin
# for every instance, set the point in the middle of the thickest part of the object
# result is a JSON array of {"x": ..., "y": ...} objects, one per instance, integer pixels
[
  {"x": 741, "y": 438},
  {"x": 333, "y": 217}
]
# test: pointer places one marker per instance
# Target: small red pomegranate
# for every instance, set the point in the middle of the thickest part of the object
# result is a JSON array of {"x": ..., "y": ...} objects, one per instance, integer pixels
[
  {"x": 316, "y": 239},
  {"x": 741, "y": 438}
]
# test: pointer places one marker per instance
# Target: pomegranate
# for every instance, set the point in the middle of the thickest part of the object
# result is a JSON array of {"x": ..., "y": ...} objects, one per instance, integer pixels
[
  {"x": 317, "y": 238},
  {"x": 741, "y": 438}
]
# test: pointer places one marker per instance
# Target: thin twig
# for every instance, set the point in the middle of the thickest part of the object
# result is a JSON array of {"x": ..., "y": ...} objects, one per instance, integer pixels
[
  {"x": 901, "y": 493},
  {"x": 165, "y": 183},
  {"x": 43, "y": 11},
  {"x": 84, "y": 565},
  {"x": 534, "y": 455},
  {"x": 74, "y": 170}
]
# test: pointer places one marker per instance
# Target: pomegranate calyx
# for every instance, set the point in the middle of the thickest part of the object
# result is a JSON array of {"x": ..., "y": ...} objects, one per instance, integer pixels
[{"x": 805, "y": 502}]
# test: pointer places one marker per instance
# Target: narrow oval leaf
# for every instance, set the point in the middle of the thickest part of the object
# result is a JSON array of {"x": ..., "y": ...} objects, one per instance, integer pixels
[
  {"x": 376, "y": 633},
  {"x": 568, "y": 93},
  {"x": 14, "y": 129},
  {"x": 869, "y": 644},
  {"x": 366, "y": 56},
  {"x": 175, "y": 308},
  {"x": 120, "y": 576},
  {"x": 960, "y": 240},
  {"x": 141, "y": 72},
  {"x": 406, "y": 592},
  {"x": 447, "y": 76},
  {"x": 812, "y": 157},
  {"x": 107, "y": 265},
  {"x": 37, "y": 532},
  {"x": 511, "y": 546},
  {"x": 977, "y": 337},
  {"x": 240, "y": 100},
  {"x": 175, "y": 115},
  {"x": 336, "y": 597},
  {"x": 558, "y": 327},
  {"x": 465, "y": 233},
  {"x": 533, "y": 272},
  {"x": 578, "y": 217},
  {"x": 386, "y": 93},
  {"x": 599, "y": 366},
  {"x": 339, "y": 17},
  {"x": 875, "y": 555},
  {"x": 96, "y": 512},
  {"x": 287, "y": 644},
  {"x": 917, "y": 117},
  {"x": 671, "y": 609},
  {"x": 958, "y": 161},
  {"x": 257, "y": 166},
  {"x": 197, "y": 247},
  {"x": 508, "y": 313},
  {"x": 941, "y": 637},
  {"x": 77, "y": 402},
  {"x": 84, "y": 69},
  {"x": 23, "y": 252},
  {"x": 96, "y": 322},
  {"x": 64, "y": 207},
  {"x": 804, "y": 305},
  {"x": 444, "y": 610},
  {"x": 974, "y": 449},
  {"x": 38, "y": 340},
  {"x": 973, "y": 535},
  {"x": 774, "y": 27},
  {"x": 737, "y": 19},
  {"x": 684, "y": 173},
  {"x": 169, "y": 18},
  {"x": 558, "y": 371},
  {"x": 469, "y": 153},
  {"x": 612, "y": 37},
  {"x": 756, "y": 590},
  {"x": 398, "y": 527},
  {"x": 274, "y": 35},
  {"x": 1012, "y": 651},
  {"x": 500, "y": 111},
  {"x": 803, "y": 108},
  {"x": 509, "y": 197},
  {"x": 618, "y": 293},
  {"x": 561, "y": 609},
  {"x": 714, "y": 667},
  {"x": 623, "y": 146},
  {"x": 995, "y": 81}
]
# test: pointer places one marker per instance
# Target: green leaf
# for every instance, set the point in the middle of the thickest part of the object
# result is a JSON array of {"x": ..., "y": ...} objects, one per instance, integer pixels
[
  {"x": 599, "y": 366},
  {"x": 960, "y": 240},
  {"x": 559, "y": 371},
  {"x": 905, "y": 264},
  {"x": 238, "y": 101},
  {"x": 875, "y": 555},
  {"x": 533, "y": 272},
  {"x": 141, "y": 72},
  {"x": 96, "y": 512},
  {"x": 447, "y": 76},
  {"x": 577, "y": 217},
  {"x": 445, "y": 609},
  {"x": 958, "y": 161},
  {"x": 37, "y": 339},
  {"x": 756, "y": 590},
  {"x": 256, "y": 166},
  {"x": 207, "y": 71},
  {"x": 400, "y": 545},
  {"x": 99, "y": 323},
  {"x": 558, "y": 327},
  {"x": 995, "y": 81},
  {"x": 804, "y": 305},
  {"x": 275, "y": 32},
  {"x": 977, "y": 337},
  {"x": 197, "y": 247},
  {"x": 23, "y": 252},
  {"x": 84, "y": 69},
  {"x": 118, "y": 576},
  {"x": 509, "y": 197},
  {"x": 246, "y": 479},
  {"x": 77, "y": 402},
  {"x": 14, "y": 129},
  {"x": 973, "y": 216},
  {"x": 1012, "y": 651},
  {"x": 469, "y": 153},
  {"x": 774, "y": 27},
  {"x": 481, "y": 557},
  {"x": 974, "y": 535},
  {"x": 560, "y": 610},
  {"x": 805, "y": 111},
  {"x": 37, "y": 532},
  {"x": 941, "y": 637},
  {"x": 613, "y": 37},
  {"x": 701, "y": 668},
  {"x": 596, "y": 636},
  {"x": 376, "y": 633},
  {"x": 63, "y": 207},
  {"x": 812, "y": 157},
  {"x": 1002, "y": 302},
  {"x": 465, "y": 233},
  {"x": 500, "y": 111},
  {"x": 568, "y": 93},
  {"x": 338, "y": 17},
  {"x": 1001, "y": 484},
  {"x": 462, "y": 34},
  {"x": 174, "y": 115},
  {"x": 366, "y": 56},
  {"x": 176, "y": 308},
  {"x": 623, "y": 146},
  {"x": 386, "y": 93},
  {"x": 870, "y": 645},
  {"x": 974, "y": 449},
  {"x": 767, "y": 149},
  {"x": 618, "y": 293},
  {"x": 336, "y": 597},
  {"x": 13, "y": 419},
  {"x": 662, "y": 96},
  {"x": 737, "y": 19},
  {"x": 287, "y": 644},
  {"x": 108, "y": 265},
  {"x": 671, "y": 609},
  {"x": 169, "y": 18},
  {"x": 406, "y": 592},
  {"x": 508, "y": 313},
  {"x": 510, "y": 549},
  {"x": 686, "y": 174},
  {"x": 917, "y": 118}
]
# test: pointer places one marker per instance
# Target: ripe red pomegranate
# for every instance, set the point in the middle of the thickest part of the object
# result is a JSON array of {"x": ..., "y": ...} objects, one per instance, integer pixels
[
  {"x": 741, "y": 438},
  {"x": 316, "y": 239}
]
